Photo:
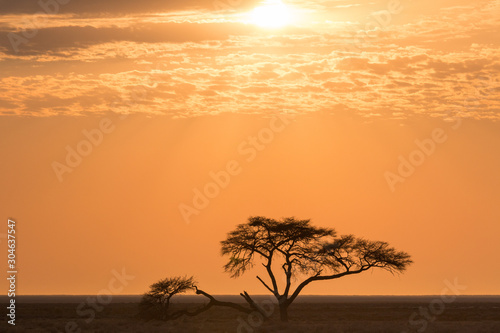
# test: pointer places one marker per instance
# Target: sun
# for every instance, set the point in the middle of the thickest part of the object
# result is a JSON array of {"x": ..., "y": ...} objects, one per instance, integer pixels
[{"x": 272, "y": 14}]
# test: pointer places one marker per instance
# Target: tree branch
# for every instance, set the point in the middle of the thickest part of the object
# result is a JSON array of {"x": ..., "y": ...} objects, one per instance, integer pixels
[
  {"x": 265, "y": 285},
  {"x": 288, "y": 274},
  {"x": 215, "y": 302},
  {"x": 252, "y": 303},
  {"x": 271, "y": 275},
  {"x": 317, "y": 277}
]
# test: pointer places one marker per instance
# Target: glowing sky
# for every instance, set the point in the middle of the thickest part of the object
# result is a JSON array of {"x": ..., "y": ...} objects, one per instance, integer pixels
[
  {"x": 197, "y": 57},
  {"x": 364, "y": 79}
]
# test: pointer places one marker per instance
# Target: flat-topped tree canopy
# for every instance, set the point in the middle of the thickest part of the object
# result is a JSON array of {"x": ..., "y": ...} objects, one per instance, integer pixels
[
  {"x": 315, "y": 251},
  {"x": 267, "y": 237},
  {"x": 296, "y": 246}
]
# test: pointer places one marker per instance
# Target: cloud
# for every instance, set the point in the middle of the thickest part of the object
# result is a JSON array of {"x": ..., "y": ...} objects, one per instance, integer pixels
[
  {"x": 117, "y": 7},
  {"x": 429, "y": 64},
  {"x": 71, "y": 37}
]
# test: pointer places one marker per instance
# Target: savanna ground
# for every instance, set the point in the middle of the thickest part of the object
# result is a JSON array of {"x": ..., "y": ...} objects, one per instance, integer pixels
[{"x": 363, "y": 314}]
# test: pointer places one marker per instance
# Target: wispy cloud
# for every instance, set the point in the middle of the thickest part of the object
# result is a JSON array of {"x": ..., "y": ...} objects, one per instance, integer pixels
[{"x": 421, "y": 63}]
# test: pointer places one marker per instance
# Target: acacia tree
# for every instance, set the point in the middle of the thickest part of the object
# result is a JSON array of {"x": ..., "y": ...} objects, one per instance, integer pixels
[
  {"x": 156, "y": 302},
  {"x": 298, "y": 248}
]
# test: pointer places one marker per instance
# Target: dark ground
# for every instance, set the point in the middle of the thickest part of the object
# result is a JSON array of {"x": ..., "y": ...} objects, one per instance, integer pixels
[{"x": 340, "y": 314}]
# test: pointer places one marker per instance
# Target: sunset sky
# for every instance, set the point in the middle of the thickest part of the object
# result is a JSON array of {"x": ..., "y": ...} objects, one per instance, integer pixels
[{"x": 377, "y": 118}]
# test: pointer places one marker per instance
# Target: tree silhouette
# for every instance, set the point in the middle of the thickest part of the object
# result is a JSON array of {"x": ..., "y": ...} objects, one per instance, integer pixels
[
  {"x": 293, "y": 247},
  {"x": 156, "y": 302},
  {"x": 297, "y": 247}
]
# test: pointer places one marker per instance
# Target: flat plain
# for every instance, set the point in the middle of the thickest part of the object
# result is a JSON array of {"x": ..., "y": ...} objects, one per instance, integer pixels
[{"x": 309, "y": 314}]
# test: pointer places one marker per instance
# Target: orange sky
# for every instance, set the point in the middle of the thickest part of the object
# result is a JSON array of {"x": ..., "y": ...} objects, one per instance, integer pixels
[{"x": 200, "y": 83}]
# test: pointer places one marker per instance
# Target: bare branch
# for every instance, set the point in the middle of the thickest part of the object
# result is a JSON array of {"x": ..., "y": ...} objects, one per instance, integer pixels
[
  {"x": 317, "y": 252},
  {"x": 265, "y": 285}
]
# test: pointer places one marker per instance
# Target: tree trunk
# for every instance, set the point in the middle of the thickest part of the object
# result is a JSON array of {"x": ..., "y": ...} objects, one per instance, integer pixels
[{"x": 284, "y": 312}]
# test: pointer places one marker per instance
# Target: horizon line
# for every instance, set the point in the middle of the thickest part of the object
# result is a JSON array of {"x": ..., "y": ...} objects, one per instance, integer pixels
[{"x": 328, "y": 295}]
